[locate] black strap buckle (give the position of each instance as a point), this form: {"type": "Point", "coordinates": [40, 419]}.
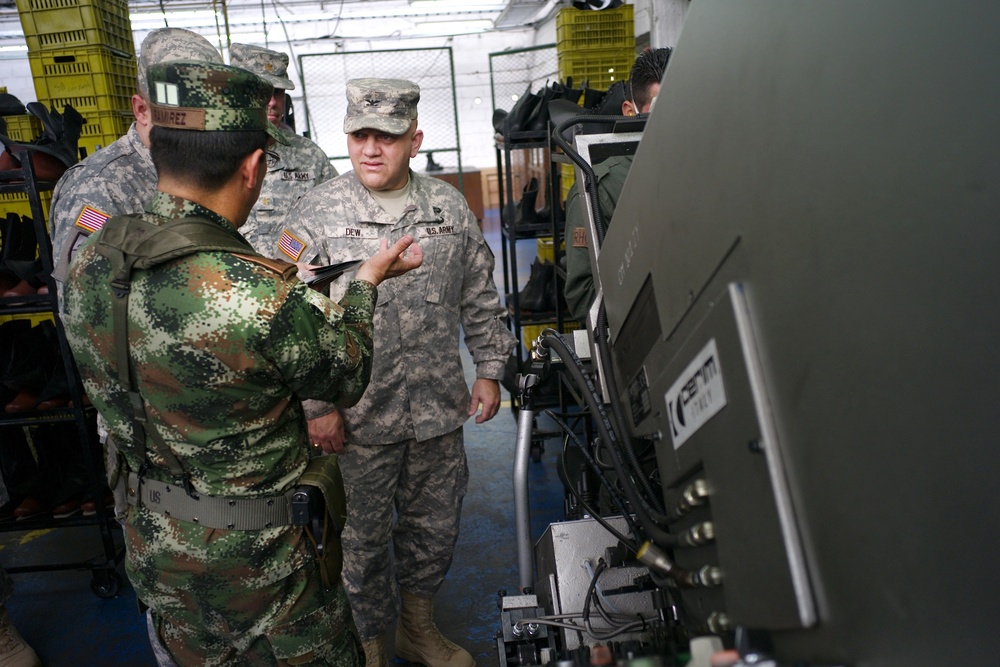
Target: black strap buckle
{"type": "Point", "coordinates": [120, 287]}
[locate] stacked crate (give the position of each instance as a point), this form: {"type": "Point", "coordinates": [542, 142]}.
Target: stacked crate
{"type": "Point", "coordinates": [82, 53]}
{"type": "Point", "coordinates": [594, 46]}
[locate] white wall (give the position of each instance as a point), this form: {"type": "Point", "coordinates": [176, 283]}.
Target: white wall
{"type": "Point", "coordinates": [661, 18]}
{"type": "Point", "coordinates": [15, 73]}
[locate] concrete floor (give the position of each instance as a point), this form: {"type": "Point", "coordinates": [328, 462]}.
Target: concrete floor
{"type": "Point", "coordinates": [69, 626]}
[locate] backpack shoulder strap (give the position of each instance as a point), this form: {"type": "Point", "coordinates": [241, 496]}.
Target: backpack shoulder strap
{"type": "Point", "coordinates": [131, 242]}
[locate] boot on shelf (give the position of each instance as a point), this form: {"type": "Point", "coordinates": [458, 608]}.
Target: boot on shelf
{"type": "Point", "coordinates": [19, 259]}
{"type": "Point", "coordinates": [419, 640]}
{"type": "Point", "coordinates": [432, 165]}
{"type": "Point", "coordinates": [536, 297]}
{"type": "Point", "coordinates": [526, 207]}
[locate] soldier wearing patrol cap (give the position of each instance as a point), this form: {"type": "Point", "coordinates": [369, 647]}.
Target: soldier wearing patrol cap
{"type": "Point", "coordinates": [196, 351]}
{"type": "Point", "coordinates": [404, 446]}
{"type": "Point", "coordinates": [119, 178]}
{"type": "Point", "coordinates": [300, 165]}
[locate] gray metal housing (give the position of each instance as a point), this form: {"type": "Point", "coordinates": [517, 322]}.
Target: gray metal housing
{"type": "Point", "coordinates": [839, 163]}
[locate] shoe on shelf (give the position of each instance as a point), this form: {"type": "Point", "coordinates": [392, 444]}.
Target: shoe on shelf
{"type": "Point", "coordinates": [67, 509]}
{"type": "Point", "coordinates": [28, 508]}
{"type": "Point", "coordinates": [89, 507]}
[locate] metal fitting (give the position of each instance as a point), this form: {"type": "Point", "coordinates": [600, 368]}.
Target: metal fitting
{"type": "Point", "coordinates": [699, 534]}
{"type": "Point", "coordinates": [654, 558]}
{"type": "Point", "coordinates": [710, 576]}
{"type": "Point", "coordinates": [718, 622]}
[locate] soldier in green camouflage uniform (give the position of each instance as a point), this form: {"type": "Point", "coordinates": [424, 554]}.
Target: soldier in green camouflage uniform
{"type": "Point", "coordinates": [120, 178]}
{"type": "Point", "coordinates": [221, 348]}
{"type": "Point", "coordinates": [300, 164]}
{"type": "Point", "coordinates": [406, 448]}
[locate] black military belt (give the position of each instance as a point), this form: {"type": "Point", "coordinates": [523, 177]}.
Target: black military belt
{"type": "Point", "coordinates": [228, 513]}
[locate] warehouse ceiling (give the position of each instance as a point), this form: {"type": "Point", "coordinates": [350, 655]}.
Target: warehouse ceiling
{"type": "Point", "coordinates": [279, 21]}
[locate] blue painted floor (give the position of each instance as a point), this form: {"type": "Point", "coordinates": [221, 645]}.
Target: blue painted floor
{"type": "Point", "coordinates": [70, 627]}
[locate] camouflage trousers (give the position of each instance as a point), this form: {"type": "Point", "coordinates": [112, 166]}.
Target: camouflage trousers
{"type": "Point", "coordinates": [212, 604]}
{"type": "Point", "coordinates": [424, 482]}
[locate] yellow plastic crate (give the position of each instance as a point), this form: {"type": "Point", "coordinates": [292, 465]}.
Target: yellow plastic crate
{"type": "Point", "coordinates": [11, 202]}
{"type": "Point", "coordinates": [567, 176]}
{"type": "Point", "coordinates": [23, 128]}
{"type": "Point", "coordinates": [102, 128]}
{"type": "Point", "coordinates": [585, 30]}
{"type": "Point", "coordinates": [34, 318]}
{"type": "Point", "coordinates": [67, 24]}
{"type": "Point", "coordinates": [89, 79]}
{"type": "Point", "coordinates": [546, 249]}
{"type": "Point", "coordinates": [599, 68]}
{"type": "Point", "coordinates": [529, 332]}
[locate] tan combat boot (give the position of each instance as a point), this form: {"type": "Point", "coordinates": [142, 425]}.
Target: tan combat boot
{"type": "Point", "coordinates": [375, 652]}
{"type": "Point", "coordinates": [419, 640]}
{"type": "Point", "coordinates": [14, 652]}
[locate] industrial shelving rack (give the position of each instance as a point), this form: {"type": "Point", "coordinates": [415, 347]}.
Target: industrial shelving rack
{"type": "Point", "coordinates": [105, 582]}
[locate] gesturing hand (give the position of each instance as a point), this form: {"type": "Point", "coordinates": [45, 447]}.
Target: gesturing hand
{"type": "Point", "coordinates": [389, 262]}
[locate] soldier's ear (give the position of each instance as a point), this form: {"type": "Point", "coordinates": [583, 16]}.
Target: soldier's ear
{"type": "Point", "coordinates": [418, 138]}
{"type": "Point", "coordinates": [252, 169]}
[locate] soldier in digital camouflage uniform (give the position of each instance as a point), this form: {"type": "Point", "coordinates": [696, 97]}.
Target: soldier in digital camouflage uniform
{"type": "Point", "coordinates": [120, 178]}
{"type": "Point", "coordinates": [406, 449]}
{"type": "Point", "coordinates": [221, 348]}
{"type": "Point", "coordinates": [300, 165]}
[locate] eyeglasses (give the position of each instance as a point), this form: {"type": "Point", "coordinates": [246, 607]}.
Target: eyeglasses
{"type": "Point", "coordinates": [272, 157]}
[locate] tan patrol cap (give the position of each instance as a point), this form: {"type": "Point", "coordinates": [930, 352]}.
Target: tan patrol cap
{"type": "Point", "coordinates": [388, 105]}
{"type": "Point", "coordinates": [272, 66]}
{"type": "Point", "coordinates": [165, 44]}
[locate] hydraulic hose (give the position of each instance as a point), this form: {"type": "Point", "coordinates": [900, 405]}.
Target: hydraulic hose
{"type": "Point", "coordinates": [553, 340]}
{"type": "Point", "coordinates": [601, 338]}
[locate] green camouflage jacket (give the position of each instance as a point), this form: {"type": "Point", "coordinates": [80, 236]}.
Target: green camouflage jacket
{"type": "Point", "coordinates": [224, 350]}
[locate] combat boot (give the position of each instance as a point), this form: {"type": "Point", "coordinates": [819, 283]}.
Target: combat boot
{"type": "Point", "coordinates": [14, 652]}
{"type": "Point", "coordinates": [419, 640]}
{"type": "Point", "coordinates": [375, 655]}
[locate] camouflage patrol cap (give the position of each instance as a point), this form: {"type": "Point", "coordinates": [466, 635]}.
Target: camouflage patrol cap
{"type": "Point", "coordinates": [389, 105]}
{"type": "Point", "coordinates": [166, 44]}
{"type": "Point", "coordinates": [272, 66]}
{"type": "Point", "coordinates": [189, 95]}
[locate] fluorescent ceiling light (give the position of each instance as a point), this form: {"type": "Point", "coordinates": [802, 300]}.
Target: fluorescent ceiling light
{"type": "Point", "coordinates": [440, 6]}
{"type": "Point", "coordinates": [452, 27]}
{"type": "Point", "coordinates": [248, 37]}
{"type": "Point", "coordinates": [16, 47]}
{"type": "Point", "coordinates": [178, 19]}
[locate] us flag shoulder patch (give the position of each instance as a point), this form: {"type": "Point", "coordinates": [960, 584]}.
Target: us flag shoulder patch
{"type": "Point", "coordinates": [290, 245]}
{"type": "Point", "coordinates": [91, 219]}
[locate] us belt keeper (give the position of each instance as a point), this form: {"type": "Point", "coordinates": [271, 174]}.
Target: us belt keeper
{"type": "Point", "coordinates": [226, 513]}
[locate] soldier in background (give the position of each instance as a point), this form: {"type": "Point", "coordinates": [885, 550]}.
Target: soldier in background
{"type": "Point", "coordinates": [197, 361]}
{"type": "Point", "coordinates": [406, 449]}
{"type": "Point", "coordinates": [300, 165]}
{"type": "Point", "coordinates": [120, 178]}
{"type": "Point", "coordinates": [643, 86]}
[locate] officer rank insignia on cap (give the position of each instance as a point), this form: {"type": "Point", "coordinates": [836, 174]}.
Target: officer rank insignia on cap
{"type": "Point", "coordinates": [290, 245]}
{"type": "Point", "coordinates": [91, 219]}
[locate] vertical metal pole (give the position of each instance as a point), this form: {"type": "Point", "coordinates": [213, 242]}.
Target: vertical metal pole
{"type": "Point", "coordinates": [522, 518]}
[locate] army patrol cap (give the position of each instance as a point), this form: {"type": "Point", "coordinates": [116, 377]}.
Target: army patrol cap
{"type": "Point", "coordinates": [389, 105]}
{"type": "Point", "coordinates": [210, 97]}
{"type": "Point", "coordinates": [167, 44]}
{"type": "Point", "coordinates": [272, 66]}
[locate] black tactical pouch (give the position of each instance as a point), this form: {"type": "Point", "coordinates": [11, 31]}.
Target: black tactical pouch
{"type": "Point", "coordinates": [319, 504]}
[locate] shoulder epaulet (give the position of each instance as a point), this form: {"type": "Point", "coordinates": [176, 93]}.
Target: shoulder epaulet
{"type": "Point", "coordinates": [285, 269]}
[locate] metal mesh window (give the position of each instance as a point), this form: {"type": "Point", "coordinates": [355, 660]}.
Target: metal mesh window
{"type": "Point", "coordinates": [325, 77]}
